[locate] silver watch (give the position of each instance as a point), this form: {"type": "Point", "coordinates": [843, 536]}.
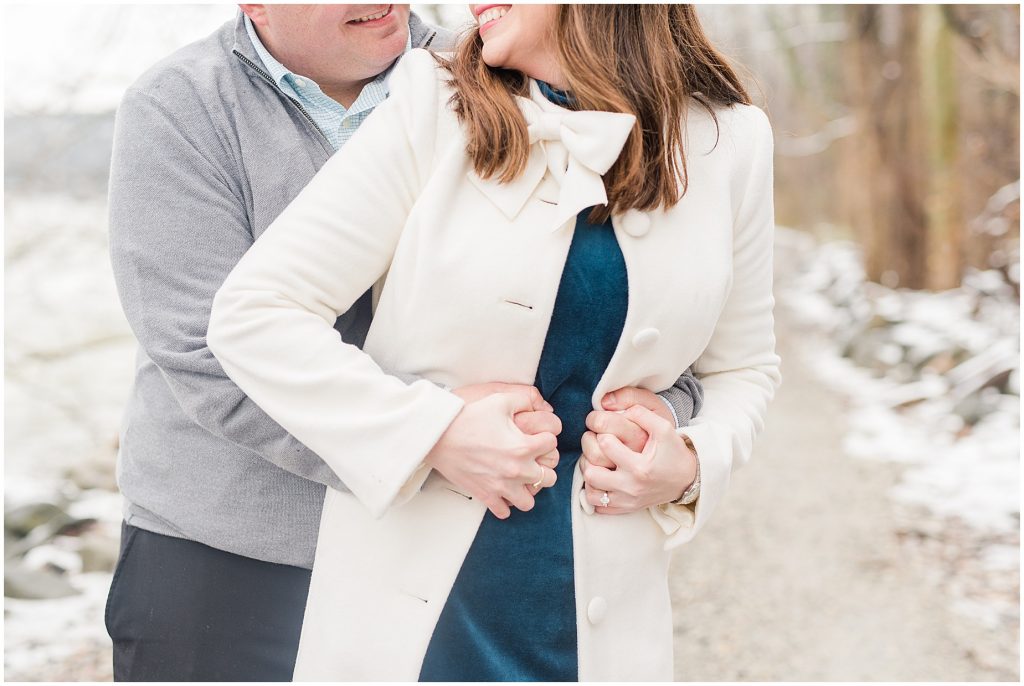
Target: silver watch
{"type": "Point", "coordinates": [693, 491]}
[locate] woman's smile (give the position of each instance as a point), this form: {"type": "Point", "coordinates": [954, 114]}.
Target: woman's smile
{"type": "Point", "coordinates": [489, 15]}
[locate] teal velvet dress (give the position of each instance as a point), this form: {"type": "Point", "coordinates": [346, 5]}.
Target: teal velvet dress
{"type": "Point", "coordinates": [511, 615]}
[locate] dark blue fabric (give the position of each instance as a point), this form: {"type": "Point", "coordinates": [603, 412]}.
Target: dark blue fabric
{"type": "Point", "coordinates": [511, 615]}
{"type": "Point", "coordinates": [559, 97]}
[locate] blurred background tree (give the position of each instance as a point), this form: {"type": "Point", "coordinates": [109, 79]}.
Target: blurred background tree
{"type": "Point", "coordinates": [896, 126]}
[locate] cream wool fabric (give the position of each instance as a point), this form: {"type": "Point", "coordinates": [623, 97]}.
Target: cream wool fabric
{"type": "Point", "coordinates": [472, 270]}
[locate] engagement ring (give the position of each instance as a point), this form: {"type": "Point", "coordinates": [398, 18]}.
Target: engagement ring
{"type": "Point", "coordinates": [605, 499]}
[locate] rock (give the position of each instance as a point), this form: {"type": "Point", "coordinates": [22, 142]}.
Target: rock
{"type": "Point", "coordinates": [50, 557]}
{"type": "Point", "coordinates": [99, 553]}
{"type": "Point", "coordinates": [903, 373]}
{"type": "Point", "coordinates": [927, 388]}
{"type": "Point", "coordinates": [34, 584]}
{"type": "Point", "coordinates": [22, 520]}
{"type": "Point", "coordinates": [77, 526]}
{"type": "Point", "coordinates": [990, 368]}
{"type": "Point", "coordinates": [873, 351]}
{"type": "Point", "coordinates": [97, 549]}
{"type": "Point", "coordinates": [975, 406]}
{"type": "Point", "coordinates": [60, 524]}
{"type": "Point", "coordinates": [9, 540]}
{"type": "Point", "coordinates": [1013, 383]}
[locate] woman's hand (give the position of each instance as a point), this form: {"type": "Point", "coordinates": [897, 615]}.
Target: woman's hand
{"type": "Point", "coordinates": [489, 452]}
{"type": "Point", "coordinates": [540, 418]}
{"type": "Point", "coordinates": [658, 473]}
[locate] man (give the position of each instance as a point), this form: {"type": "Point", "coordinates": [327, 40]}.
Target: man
{"type": "Point", "coordinates": [222, 505]}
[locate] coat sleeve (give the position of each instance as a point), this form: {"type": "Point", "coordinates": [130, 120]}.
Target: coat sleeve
{"type": "Point", "coordinates": [271, 325]}
{"type": "Point", "coordinates": [739, 368]}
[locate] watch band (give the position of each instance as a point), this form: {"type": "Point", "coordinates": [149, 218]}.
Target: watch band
{"type": "Point", "coordinates": [693, 491]}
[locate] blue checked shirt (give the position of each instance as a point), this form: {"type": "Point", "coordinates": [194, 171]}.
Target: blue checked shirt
{"type": "Point", "coordinates": [337, 123]}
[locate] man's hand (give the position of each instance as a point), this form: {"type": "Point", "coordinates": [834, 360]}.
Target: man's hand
{"type": "Point", "coordinates": [502, 442]}
{"type": "Point", "coordinates": [659, 473]}
{"type": "Point", "coordinates": [611, 420]}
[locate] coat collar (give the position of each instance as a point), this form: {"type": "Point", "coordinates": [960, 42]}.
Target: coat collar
{"type": "Point", "coordinates": [575, 147]}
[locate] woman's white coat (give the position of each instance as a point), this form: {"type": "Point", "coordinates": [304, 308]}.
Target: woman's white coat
{"type": "Point", "coordinates": [472, 269]}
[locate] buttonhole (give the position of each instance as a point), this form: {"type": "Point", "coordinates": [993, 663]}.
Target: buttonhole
{"type": "Point", "coordinates": [413, 595]}
{"type": "Point", "coordinates": [513, 302]}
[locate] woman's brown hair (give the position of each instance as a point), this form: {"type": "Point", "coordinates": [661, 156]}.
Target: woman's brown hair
{"type": "Point", "coordinates": [644, 60]}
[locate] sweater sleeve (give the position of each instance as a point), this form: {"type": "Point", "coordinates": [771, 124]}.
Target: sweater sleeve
{"type": "Point", "coordinates": [271, 324]}
{"type": "Point", "coordinates": [177, 226]}
{"type": "Point", "coordinates": [739, 368]}
{"type": "Point", "coordinates": [684, 398]}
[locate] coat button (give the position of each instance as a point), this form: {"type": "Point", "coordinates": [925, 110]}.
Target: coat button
{"type": "Point", "coordinates": [596, 610]}
{"type": "Point", "coordinates": [646, 338]}
{"type": "Point", "coordinates": [636, 223]}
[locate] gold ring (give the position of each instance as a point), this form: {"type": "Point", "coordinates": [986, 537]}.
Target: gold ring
{"type": "Point", "coordinates": [541, 479]}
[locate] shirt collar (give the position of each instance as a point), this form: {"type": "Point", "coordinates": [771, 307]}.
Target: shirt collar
{"type": "Point", "coordinates": [278, 71]}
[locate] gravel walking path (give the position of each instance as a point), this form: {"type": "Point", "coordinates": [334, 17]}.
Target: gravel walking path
{"type": "Point", "coordinates": [801, 574]}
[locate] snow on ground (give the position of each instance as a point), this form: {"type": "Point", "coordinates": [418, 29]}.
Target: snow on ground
{"type": "Point", "coordinates": [68, 349]}
{"type": "Point", "coordinates": [69, 364]}
{"type": "Point", "coordinates": [63, 639]}
{"type": "Point", "coordinates": [932, 380]}
{"type": "Point", "coordinates": [974, 477]}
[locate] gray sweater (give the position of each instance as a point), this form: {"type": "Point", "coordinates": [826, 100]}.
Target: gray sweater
{"type": "Point", "coordinates": [207, 152]}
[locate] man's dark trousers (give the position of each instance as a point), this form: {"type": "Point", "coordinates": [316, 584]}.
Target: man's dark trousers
{"type": "Point", "coordinates": [183, 611]}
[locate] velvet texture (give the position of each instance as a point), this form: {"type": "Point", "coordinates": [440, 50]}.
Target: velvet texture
{"type": "Point", "coordinates": [511, 615]}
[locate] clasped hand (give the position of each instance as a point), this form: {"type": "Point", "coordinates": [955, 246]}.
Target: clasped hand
{"type": "Point", "coordinates": [502, 449]}
{"type": "Point", "coordinates": [632, 456]}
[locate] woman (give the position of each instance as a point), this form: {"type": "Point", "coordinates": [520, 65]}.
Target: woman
{"type": "Point", "coordinates": [605, 147]}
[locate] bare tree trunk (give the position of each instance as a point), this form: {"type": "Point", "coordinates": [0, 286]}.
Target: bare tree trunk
{"type": "Point", "coordinates": [940, 118]}
{"type": "Point", "coordinates": [887, 158]}
{"type": "Point", "coordinates": [865, 201]}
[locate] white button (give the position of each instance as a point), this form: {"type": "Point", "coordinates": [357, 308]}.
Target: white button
{"type": "Point", "coordinates": [348, 123]}
{"type": "Point", "coordinates": [300, 82]}
{"type": "Point", "coordinates": [646, 338]}
{"type": "Point", "coordinates": [597, 609]}
{"type": "Point", "coordinates": [636, 223]}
